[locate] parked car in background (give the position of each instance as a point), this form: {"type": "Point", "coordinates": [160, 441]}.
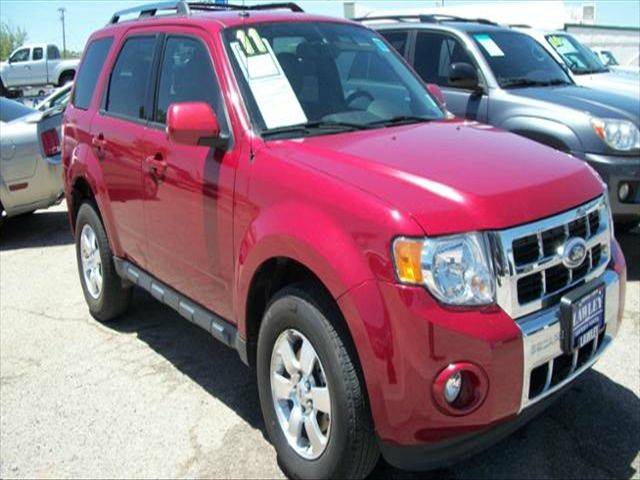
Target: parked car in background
{"type": "Point", "coordinates": [30, 168]}
{"type": "Point", "coordinates": [35, 65]}
{"type": "Point", "coordinates": [505, 78]}
{"type": "Point", "coordinates": [403, 282]}
{"type": "Point", "coordinates": [585, 66]}
{"type": "Point", "coordinates": [610, 61]}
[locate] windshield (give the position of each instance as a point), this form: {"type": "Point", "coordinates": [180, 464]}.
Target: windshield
{"type": "Point", "coordinates": [303, 78]}
{"type": "Point", "coordinates": [578, 58]}
{"type": "Point", "coordinates": [517, 60]}
{"type": "Point", "coordinates": [608, 59]}
{"type": "Point", "coordinates": [10, 110]}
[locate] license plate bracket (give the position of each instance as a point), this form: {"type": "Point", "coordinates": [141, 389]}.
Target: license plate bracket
{"type": "Point", "coordinates": [582, 315]}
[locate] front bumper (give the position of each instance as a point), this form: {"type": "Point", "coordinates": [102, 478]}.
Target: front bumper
{"type": "Point", "coordinates": [540, 349]}
{"type": "Point", "coordinates": [616, 170]}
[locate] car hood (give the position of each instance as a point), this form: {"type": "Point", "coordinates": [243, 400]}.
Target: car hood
{"type": "Point", "coordinates": [451, 176]}
{"type": "Point", "coordinates": [611, 82]}
{"type": "Point", "coordinates": [596, 102]}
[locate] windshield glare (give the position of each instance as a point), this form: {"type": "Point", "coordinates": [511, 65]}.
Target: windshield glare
{"type": "Point", "coordinates": [323, 76]}
{"type": "Point", "coordinates": [578, 58]}
{"type": "Point", "coordinates": [518, 60]}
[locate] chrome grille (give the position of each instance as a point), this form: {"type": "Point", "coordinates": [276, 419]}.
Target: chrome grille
{"type": "Point", "coordinates": [530, 272]}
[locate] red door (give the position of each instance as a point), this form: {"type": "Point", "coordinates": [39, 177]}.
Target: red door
{"type": "Point", "coordinates": [189, 189]}
{"type": "Point", "coordinates": [117, 138]}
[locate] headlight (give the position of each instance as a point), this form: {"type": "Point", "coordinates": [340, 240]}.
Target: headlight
{"type": "Point", "coordinates": [455, 269]}
{"type": "Point", "coordinates": [621, 135]}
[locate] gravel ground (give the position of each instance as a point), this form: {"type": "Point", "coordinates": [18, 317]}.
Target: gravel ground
{"type": "Point", "coordinates": [153, 396]}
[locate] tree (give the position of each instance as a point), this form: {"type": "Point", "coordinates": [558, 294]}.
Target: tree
{"type": "Point", "coordinates": [10, 38]}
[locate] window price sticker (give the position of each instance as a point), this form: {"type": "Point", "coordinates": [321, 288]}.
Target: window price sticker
{"type": "Point", "coordinates": [271, 89]}
{"type": "Point", "coordinates": [489, 45]}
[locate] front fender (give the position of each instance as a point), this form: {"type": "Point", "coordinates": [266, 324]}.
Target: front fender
{"type": "Point", "coordinates": [549, 132]}
{"type": "Point", "coordinates": [310, 237]}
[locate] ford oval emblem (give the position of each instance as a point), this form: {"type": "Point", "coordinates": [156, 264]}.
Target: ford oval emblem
{"type": "Point", "coordinates": [574, 252]}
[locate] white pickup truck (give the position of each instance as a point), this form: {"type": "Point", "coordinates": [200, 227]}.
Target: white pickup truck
{"type": "Point", "coordinates": [37, 64]}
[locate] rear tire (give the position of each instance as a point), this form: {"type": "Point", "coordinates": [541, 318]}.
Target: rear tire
{"type": "Point", "coordinates": [304, 314]}
{"type": "Point", "coordinates": [3, 90]}
{"type": "Point", "coordinates": [102, 287]}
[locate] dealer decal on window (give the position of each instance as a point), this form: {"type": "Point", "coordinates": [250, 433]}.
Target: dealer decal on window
{"type": "Point", "coordinates": [276, 99]}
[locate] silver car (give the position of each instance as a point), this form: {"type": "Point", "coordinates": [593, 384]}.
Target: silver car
{"type": "Point", "coordinates": [30, 167]}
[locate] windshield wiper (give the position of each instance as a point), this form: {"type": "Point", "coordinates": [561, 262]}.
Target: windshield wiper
{"type": "Point", "coordinates": [400, 120]}
{"type": "Point", "coordinates": [314, 127]}
{"type": "Point", "coordinates": [527, 82]}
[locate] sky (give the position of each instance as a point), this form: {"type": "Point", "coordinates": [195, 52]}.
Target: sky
{"type": "Point", "coordinates": [41, 18]}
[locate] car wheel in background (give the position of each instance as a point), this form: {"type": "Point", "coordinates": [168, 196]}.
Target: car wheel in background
{"type": "Point", "coordinates": [312, 397]}
{"type": "Point", "coordinates": [66, 78]}
{"type": "Point", "coordinates": [103, 290]}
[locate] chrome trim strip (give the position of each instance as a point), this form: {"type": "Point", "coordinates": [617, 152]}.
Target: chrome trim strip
{"type": "Point", "coordinates": [541, 340]}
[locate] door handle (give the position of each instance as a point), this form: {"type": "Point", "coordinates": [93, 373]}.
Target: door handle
{"type": "Point", "coordinates": [100, 144]}
{"type": "Point", "coordinates": [157, 166]}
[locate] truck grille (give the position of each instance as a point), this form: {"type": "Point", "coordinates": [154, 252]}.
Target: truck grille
{"type": "Point", "coordinates": [530, 271]}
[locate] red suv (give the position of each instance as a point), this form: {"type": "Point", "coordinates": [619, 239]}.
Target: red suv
{"type": "Point", "coordinates": [402, 281]}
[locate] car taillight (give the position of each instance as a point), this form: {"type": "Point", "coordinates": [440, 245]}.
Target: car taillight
{"type": "Point", "coordinates": [50, 142]}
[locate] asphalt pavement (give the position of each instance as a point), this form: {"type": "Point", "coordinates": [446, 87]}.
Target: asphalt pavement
{"type": "Point", "coordinates": [154, 396]}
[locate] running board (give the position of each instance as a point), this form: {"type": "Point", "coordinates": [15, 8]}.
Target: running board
{"type": "Point", "coordinates": [219, 328]}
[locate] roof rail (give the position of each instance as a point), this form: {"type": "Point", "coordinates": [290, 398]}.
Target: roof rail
{"type": "Point", "coordinates": [425, 18]}
{"type": "Point", "coordinates": [182, 7]}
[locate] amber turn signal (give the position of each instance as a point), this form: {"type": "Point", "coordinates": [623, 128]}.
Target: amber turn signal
{"type": "Point", "coordinates": [407, 253]}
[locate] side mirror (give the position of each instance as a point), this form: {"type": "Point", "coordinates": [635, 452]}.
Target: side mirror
{"type": "Point", "coordinates": [194, 123]}
{"type": "Point", "coordinates": [436, 92]}
{"type": "Point", "coordinates": [463, 75]}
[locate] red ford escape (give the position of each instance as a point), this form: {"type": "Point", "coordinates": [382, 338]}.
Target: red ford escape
{"type": "Point", "coordinates": [404, 283]}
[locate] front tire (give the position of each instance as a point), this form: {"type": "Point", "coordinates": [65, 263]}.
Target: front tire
{"type": "Point", "coordinates": [313, 399]}
{"type": "Point", "coordinates": [103, 291]}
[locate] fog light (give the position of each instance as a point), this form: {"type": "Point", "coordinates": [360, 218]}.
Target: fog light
{"type": "Point", "coordinates": [460, 388]}
{"type": "Point", "coordinates": [623, 191]}
{"type": "Point", "coordinates": [452, 387]}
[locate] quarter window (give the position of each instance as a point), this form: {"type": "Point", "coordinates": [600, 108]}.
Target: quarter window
{"type": "Point", "coordinates": [187, 75]}
{"type": "Point", "coordinates": [129, 82]}
{"type": "Point", "coordinates": [92, 63]}
{"type": "Point", "coordinates": [398, 40]}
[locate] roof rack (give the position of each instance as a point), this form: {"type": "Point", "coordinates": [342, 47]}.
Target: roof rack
{"type": "Point", "coordinates": [425, 18]}
{"type": "Point", "coordinates": [182, 7]}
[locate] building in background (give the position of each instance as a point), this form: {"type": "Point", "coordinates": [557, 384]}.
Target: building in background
{"type": "Point", "coordinates": [623, 42]}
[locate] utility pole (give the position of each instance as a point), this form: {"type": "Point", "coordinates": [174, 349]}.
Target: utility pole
{"type": "Point", "coordinates": [64, 36]}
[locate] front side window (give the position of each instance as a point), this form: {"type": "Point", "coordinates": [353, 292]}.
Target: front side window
{"type": "Point", "coordinates": [324, 76]}
{"type": "Point", "coordinates": [608, 58]}
{"type": "Point", "coordinates": [578, 58]}
{"type": "Point", "coordinates": [187, 75]}
{"type": "Point", "coordinates": [92, 63]}
{"type": "Point", "coordinates": [21, 55]}
{"type": "Point", "coordinates": [129, 82]}
{"type": "Point", "coordinates": [434, 55]}
{"type": "Point", "coordinates": [517, 60]}
{"type": "Point", "coordinates": [37, 53]}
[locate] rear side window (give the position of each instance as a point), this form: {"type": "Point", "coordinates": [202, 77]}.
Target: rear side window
{"type": "Point", "coordinates": [129, 81]}
{"type": "Point", "coordinates": [37, 53]}
{"type": "Point", "coordinates": [90, 69]}
{"type": "Point", "coordinates": [187, 75]}
{"type": "Point", "coordinates": [398, 40]}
